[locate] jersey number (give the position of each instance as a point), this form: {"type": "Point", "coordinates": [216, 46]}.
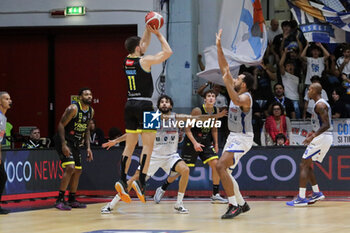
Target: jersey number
{"type": "Point", "coordinates": [132, 83]}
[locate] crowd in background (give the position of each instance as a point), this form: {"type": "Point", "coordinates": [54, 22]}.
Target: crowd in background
{"type": "Point", "coordinates": [289, 66]}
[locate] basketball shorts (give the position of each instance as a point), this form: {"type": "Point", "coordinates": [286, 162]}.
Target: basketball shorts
{"type": "Point", "coordinates": [239, 144]}
{"type": "Point", "coordinates": [165, 162]}
{"type": "Point", "coordinates": [133, 114]}
{"type": "Point", "coordinates": [318, 147]}
{"type": "Point", "coordinates": [75, 156]}
{"type": "Point", "coordinates": [190, 155]}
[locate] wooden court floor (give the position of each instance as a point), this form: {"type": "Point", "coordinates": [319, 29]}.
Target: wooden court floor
{"type": "Point", "coordinates": [264, 216]}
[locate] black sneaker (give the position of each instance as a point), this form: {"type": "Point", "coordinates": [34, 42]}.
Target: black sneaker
{"type": "Point", "coordinates": [140, 190]}
{"type": "Point", "coordinates": [245, 207]}
{"type": "Point", "coordinates": [4, 211]}
{"type": "Point", "coordinates": [232, 211]}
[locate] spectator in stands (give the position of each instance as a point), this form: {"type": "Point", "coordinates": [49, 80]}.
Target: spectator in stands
{"type": "Point", "coordinates": [97, 137]}
{"type": "Point", "coordinates": [309, 104]}
{"type": "Point", "coordinates": [315, 63]}
{"type": "Point", "coordinates": [263, 75]}
{"type": "Point", "coordinates": [279, 97]}
{"type": "Point", "coordinates": [273, 30]}
{"type": "Point", "coordinates": [290, 81]}
{"type": "Point", "coordinates": [34, 141]}
{"type": "Point", "coordinates": [337, 105]}
{"type": "Point", "coordinates": [281, 139]}
{"type": "Point", "coordinates": [277, 41]}
{"type": "Point", "coordinates": [275, 124]}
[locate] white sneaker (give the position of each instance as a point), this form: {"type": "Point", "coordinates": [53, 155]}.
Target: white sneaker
{"type": "Point", "coordinates": [106, 209]}
{"type": "Point", "coordinates": [217, 199]}
{"type": "Point", "coordinates": [179, 207]}
{"type": "Point", "coordinates": [158, 195]}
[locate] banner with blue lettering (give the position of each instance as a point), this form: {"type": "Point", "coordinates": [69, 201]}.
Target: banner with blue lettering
{"type": "Point", "coordinates": [322, 22]}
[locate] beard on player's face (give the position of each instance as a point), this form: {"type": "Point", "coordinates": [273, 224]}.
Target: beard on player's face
{"type": "Point", "coordinates": [165, 109]}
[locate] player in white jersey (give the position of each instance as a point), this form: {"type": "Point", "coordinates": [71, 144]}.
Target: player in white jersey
{"type": "Point", "coordinates": [318, 143]}
{"type": "Point", "coordinates": [164, 154]}
{"type": "Point", "coordinates": [240, 139]}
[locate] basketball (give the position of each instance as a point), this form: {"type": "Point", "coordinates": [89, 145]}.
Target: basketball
{"type": "Point", "coordinates": [154, 19]}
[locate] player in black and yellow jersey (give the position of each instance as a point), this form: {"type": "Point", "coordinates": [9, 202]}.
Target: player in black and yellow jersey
{"type": "Point", "coordinates": [73, 130]}
{"type": "Point", "coordinates": [137, 69]}
{"type": "Point", "coordinates": [203, 142]}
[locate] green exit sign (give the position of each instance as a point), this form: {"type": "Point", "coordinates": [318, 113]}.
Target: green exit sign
{"type": "Point", "coordinates": [75, 10]}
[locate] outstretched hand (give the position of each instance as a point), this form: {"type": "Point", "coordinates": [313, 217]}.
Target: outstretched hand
{"type": "Point", "coordinates": [109, 144]}
{"type": "Point", "coordinates": [218, 38]}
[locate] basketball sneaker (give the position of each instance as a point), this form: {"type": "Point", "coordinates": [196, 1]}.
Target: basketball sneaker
{"type": "Point", "coordinates": [76, 204]}
{"type": "Point", "coordinates": [217, 199]}
{"type": "Point", "coordinates": [179, 207]}
{"type": "Point", "coordinates": [140, 191]}
{"type": "Point", "coordinates": [158, 195]}
{"type": "Point", "coordinates": [232, 211]}
{"type": "Point", "coordinates": [316, 196]}
{"type": "Point", "coordinates": [62, 205]}
{"type": "Point", "coordinates": [121, 188]}
{"type": "Point", "coordinates": [107, 209]}
{"type": "Point", "coordinates": [245, 207]}
{"type": "Point", "coordinates": [298, 202]}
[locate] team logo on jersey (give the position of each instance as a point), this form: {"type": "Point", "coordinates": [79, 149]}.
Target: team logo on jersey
{"type": "Point", "coordinates": [165, 138]}
{"type": "Point", "coordinates": [129, 62]}
{"type": "Point", "coordinates": [151, 120]}
{"type": "Point", "coordinates": [172, 138]}
{"type": "Point", "coordinates": [157, 139]}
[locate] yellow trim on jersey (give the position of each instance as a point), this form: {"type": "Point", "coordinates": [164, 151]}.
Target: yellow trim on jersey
{"type": "Point", "coordinates": [67, 163]}
{"type": "Point", "coordinates": [205, 110]}
{"type": "Point", "coordinates": [148, 131]}
{"type": "Point", "coordinates": [78, 167]}
{"type": "Point", "coordinates": [211, 158]}
{"type": "Point", "coordinates": [132, 131]}
{"type": "Point", "coordinates": [190, 164]}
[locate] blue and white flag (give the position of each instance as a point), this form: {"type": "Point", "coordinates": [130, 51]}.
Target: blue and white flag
{"type": "Point", "coordinates": [244, 38]}
{"type": "Point", "coordinates": [321, 23]}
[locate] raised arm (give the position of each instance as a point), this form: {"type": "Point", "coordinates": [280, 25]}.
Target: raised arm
{"type": "Point", "coordinates": [221, 57]}
{"type": "Point", "coordinates": [324, 50]}
{"type": "Point", "coordinates": [283, 59]}
{"type": "Point", "coordinates": [146, 39]}
{"type": "Point", "coordinates": [149, 60]}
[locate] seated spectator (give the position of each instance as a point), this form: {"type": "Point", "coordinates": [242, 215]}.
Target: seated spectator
{"type": "Point", "coordinates": [275, 124]}
{"type": "Point", "coordinates": [34, 141]}
{"type": "Point", "coordinates": [309, 104]}
{"type": "Point", "coordinates": [279, 97]}
{"type": "Point", "coordinates": [114, 133]}
{"type": "Point", "coordinates": [97, 137]}
{"type": "Point", "coordinates": [337, 105]}
{"type": "Point", "coordinates": [281, 139]}
{"type": "Point", "coordinates": [290, 82]}
{"type": "Point", "coordinates": [315, 63]}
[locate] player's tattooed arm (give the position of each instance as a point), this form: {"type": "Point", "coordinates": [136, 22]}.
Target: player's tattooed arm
{"type": "Point", "coordinates": [67, 116]}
